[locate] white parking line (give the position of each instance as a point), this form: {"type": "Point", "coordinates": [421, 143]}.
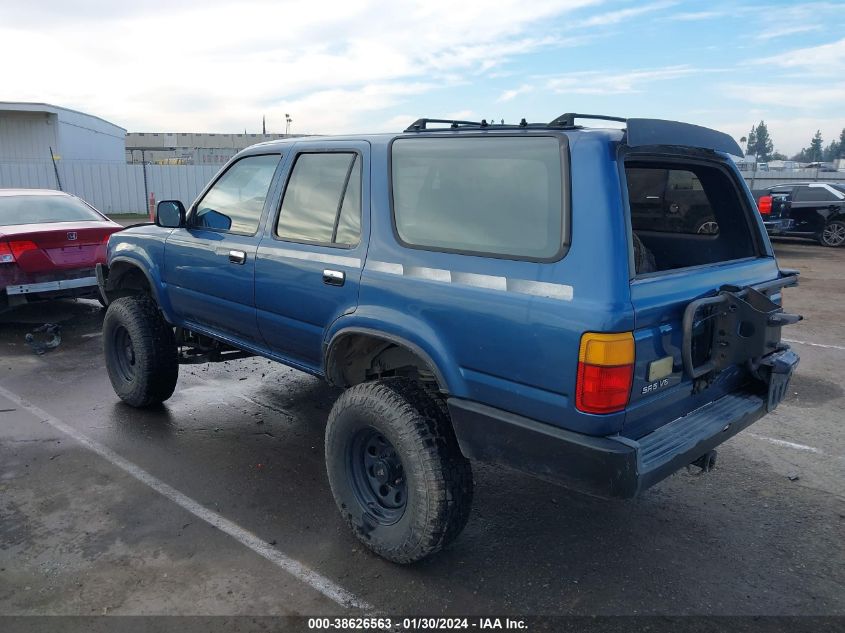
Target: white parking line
{"type": "Point", "coordinates": [308, 576]}
{"type": "Point", "coordinates": [777, 442]}
{"type": "Point", "coordinates": [839, 347]}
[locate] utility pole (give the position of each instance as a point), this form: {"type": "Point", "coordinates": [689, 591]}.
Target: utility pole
{"type": "Point", "coordinates": [264, 125]}
{"type": "Point", "coordinates": [288, 121]}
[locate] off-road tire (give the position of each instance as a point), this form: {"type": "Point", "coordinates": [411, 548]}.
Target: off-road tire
{"type": "Point", "coordinates": [149, 378]}
{"type": "Point", "coordinates": [438, 477]}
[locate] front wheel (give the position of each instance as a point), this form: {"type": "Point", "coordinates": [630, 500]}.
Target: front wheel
{"type": "Point", "coordinates": [140, 351]}
{"type": "Point", "coordinates": [395, 469]}
{"type": "Point", "coordinates": [833, 234]}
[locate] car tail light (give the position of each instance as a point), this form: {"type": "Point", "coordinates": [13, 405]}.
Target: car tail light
{"type": "Point", "coordinates": [764, 204]}
{"type": "Point", "coordinates": [11, 251]}
{"type": "Point", "coordinates": [605, 372]}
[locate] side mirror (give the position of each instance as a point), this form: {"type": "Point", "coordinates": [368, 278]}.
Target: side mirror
{"type": "Point", "coordinates": [170, 214]}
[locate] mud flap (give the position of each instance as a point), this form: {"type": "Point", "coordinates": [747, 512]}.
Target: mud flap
{"type": "Point", "coordinates": [780, 368]}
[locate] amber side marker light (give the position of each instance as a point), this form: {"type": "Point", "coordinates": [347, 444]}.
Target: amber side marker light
{"type": "Point", "coordinates": [605, 372]}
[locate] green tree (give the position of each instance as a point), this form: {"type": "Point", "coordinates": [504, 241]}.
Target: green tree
{"type": "Point", "coordinates": [752, 140]}
{"type": "Point", "coordinates": [760, 143]}
{"type": "Point", "coordinates": [842, 143]}
{"type": "Point", "coordinates": [816, 149]}
{"type": "Point", "coordinates": [831, 152]}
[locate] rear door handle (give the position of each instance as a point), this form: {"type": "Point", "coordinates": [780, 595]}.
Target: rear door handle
{"type": "Point", "coordinates": [237, 257]}
{"type": "Point", "coordinates": [334, 277]}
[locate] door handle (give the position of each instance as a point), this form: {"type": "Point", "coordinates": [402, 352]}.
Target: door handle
{"type": "Point", "coordinates": [334, 277]}
{"type": "Point", "coordinates": [237, 257]}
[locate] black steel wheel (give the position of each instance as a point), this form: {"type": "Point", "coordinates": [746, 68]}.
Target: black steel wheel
{"type": "Point", "coordinates": [123, 353]}
{"type": "Point", "coordinates": [377, 475]}
{"type": "Point", "coordinates": [395, 469]}
{"type": "Point", "coordinates": [140, 351]}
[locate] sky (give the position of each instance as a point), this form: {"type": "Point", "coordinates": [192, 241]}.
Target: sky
{"type": "Point", "coordinates": [370, 66]}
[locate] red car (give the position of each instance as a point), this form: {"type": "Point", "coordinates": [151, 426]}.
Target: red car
{"type": "Point", "coordinates": [50, 244]}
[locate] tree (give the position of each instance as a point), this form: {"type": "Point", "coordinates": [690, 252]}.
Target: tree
{"type": "Point", "coordinates": [778, 156]}
{"type": "Point", "coordinates": [752, 140]}
{"type": "Point", "coordinates": [831, 152]}
{"type": "Point", "coordinates": [760, 143]}
{"type": "Point", "coordinates": [816, 152]}
{"type": "Point", "coordinates": [842, 143]}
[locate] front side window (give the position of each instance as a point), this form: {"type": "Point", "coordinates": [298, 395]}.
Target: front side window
{"type": "Point", "coordinates": [488, 196]}
{"type": "Point", "coordinates": [322, 202]}
{"type": "Point", "coordinates": [236, 201]}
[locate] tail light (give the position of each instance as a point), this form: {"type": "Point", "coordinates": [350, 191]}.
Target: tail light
{"type": "Point", "coordinates": [605, 372]}
{"type": "Point", "coordinates": [764, 204]}
{"type": "Point", "coordinates": [11, 251]}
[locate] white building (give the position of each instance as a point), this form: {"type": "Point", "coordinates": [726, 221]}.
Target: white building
{"type": "Point", "coordinates": [29, 130]}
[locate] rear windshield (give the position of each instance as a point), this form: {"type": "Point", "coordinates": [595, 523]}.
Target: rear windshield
{"type": "Point", "coordinates": [487, 196]}
{"type": "Point", "coordinates": [41, 209]}
{"type": "Point", "coordinates": [685, 215]}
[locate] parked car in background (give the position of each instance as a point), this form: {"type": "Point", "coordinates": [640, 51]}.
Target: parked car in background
{"type": "Point", "coordinates": [50, 243]}
{"type": "Point", "coordinates": [814, 210]}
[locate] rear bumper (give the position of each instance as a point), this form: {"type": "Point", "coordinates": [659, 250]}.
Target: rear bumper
{"type": "Point", "coordinates": [59, 285]}
{"type": "Point", "coordinates": [778, 227]}
{"type": "Point", "coordinates": [612, 466]}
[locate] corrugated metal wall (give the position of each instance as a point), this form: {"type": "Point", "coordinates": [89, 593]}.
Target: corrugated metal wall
{"type": "Point", "coordinates": [110, 187]}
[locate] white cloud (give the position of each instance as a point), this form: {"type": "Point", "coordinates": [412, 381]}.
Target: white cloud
{"type": "Point", "coordinates": [615, 17]}
{"type": "Point", "coordinates": [695, 16]}
{"type": "Point", "coordinates": [611, 83]}
{"type": "Point", "coordinates": [509, 95]}
{"type": "Point", "coordinates": [773, 33]}
{"type": "Point", "coordinates": [793, 95]}
{"type": "Point", "coordinates": [828, 59]}
{"type": "Point", "coordinates": [221, 66]}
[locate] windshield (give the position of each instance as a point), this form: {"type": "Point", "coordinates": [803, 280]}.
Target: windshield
{"type": "Point", "coordinates": [42, 209]}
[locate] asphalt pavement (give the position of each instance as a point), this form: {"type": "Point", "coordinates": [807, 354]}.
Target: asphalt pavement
{"type": "Point", "coordinates": [217, 503]}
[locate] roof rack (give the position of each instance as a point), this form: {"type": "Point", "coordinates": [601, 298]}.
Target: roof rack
{"type": "Point", "coordinates": [568, 119]}
{"type": "Point", "coordinates": [421, 124]}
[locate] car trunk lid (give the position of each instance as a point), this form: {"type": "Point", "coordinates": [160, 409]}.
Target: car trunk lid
{"type": "Point", "coordinates": [60, 245]}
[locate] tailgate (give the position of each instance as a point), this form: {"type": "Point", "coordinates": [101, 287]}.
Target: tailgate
{"type": "Point", "coordinates": [681, 272]}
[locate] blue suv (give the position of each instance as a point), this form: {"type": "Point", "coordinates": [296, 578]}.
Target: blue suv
{"type": "Point", "coordinates": [527, 295]}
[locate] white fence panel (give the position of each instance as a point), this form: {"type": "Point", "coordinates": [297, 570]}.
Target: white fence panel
{"type": "Point", "coordinates": [110, 187]}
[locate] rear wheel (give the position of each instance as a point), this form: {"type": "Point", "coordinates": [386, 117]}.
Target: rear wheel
{"type": "Point", "coordinates": [140, 351]}
{"type": "Point", "coordinates": [833, 234]}
{"type": "Point", "coordinates": [395, 469]}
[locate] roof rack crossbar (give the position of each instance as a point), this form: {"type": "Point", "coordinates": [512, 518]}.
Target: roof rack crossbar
{"type": "Point", "coordinates": [568, 119]}
{"type": "Point", "coordinates": [420, 124]}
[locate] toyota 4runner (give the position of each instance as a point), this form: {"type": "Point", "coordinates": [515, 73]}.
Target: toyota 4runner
{"type": "Point", "coordinates": [516, 294]}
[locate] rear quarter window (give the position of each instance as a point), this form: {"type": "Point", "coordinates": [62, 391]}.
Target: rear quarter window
{"type": "Point", "coordinates": [500, 197]}
{"type": "Point", "coordinates": [685, 215]}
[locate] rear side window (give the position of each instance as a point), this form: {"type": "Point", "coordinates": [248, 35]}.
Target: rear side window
{"type": "Point", "coordinates": [685, 215]}
{"type": "Point", "coordinates": [485, 196]}
{"type": "Point", "coordinates": [322, 202]}
{"type": "Point", "coordinates": [814, 194]}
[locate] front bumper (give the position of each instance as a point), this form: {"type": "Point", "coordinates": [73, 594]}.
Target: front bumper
{"type": "Point", "coordinates": [612, 466]}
